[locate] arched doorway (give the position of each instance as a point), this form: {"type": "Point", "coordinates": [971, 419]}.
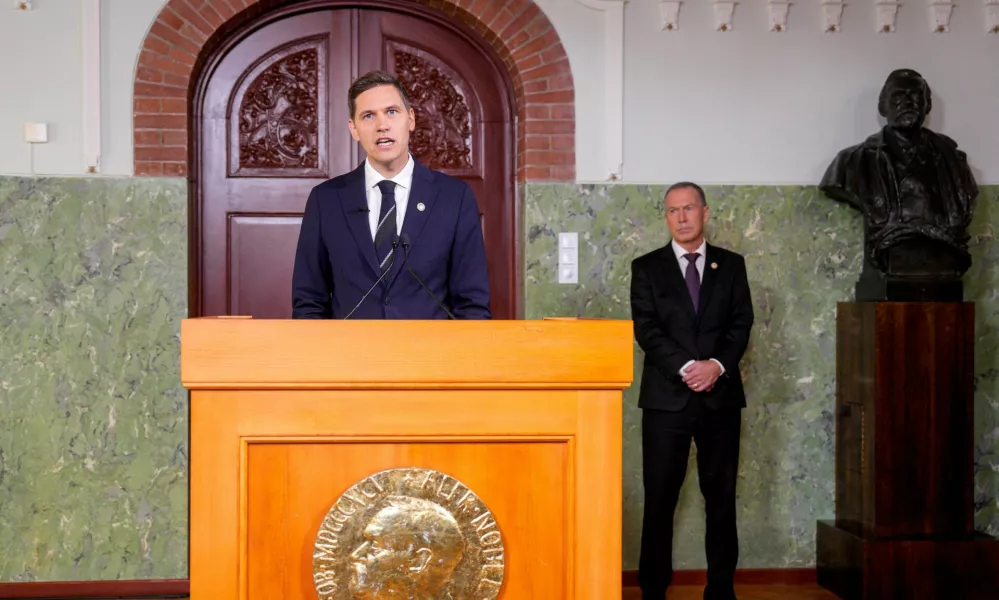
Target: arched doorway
{"type": "Point", "coordinates": [269, 122]}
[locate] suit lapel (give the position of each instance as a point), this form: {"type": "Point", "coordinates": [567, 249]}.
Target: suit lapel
{"type": "Point", "coordinates": [708, 279]}
{"type": "Point", "coordinates": [677, 287]}
{"type": "Point", "coordinates": [354, 202]}
{"type": "Point", "coordinates": [676, 281]}
{"type": "Point", "coordinates": [423, 194]}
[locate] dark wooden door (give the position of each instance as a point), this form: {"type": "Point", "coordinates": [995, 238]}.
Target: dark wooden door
{"type": "Point", "coordinates": [273, 124]}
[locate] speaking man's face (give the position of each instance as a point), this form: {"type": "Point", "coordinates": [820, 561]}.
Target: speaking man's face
{"type": "Point", "coordinates": [382, 124]}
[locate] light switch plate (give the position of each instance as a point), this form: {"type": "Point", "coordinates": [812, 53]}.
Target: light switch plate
{"type": "Point", "coordinates": [568, 257]}
{"type": "Point", "coordinates": [36, 133]}
{"type": "Point", "coordinates": [568, 274]}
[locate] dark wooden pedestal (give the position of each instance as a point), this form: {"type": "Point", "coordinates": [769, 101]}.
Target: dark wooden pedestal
{"type": "Point", "coordinates": [904, 523]}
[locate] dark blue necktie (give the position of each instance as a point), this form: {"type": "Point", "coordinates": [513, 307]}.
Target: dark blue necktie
{"type": "Point", "coordinates": [693, 280]}
{"type": "Point", "coordinates": [386, 225]}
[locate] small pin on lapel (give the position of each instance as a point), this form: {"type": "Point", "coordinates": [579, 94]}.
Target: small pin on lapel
{"type": "Point", "coordinates": [421, 206]}
{"type": "Point", "coordinates": [714, 265]}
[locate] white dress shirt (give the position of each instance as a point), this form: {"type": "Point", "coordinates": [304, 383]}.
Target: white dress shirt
{"type": "Point", "coordinates": [682, 261]}
{"type": "Point", "coordinates": [403, 184]}
{"type": "Point", "coordinates": [680, 258]}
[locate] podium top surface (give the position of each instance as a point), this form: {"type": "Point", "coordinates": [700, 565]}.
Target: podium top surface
{"type": "Point", "coordinates": [240, 353]}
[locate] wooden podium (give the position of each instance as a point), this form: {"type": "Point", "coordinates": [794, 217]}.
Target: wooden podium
{"type": "Point", "coordinates": [521, 417]}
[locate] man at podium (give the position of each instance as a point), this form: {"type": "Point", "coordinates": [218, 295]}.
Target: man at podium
{"type": "Point", "coordinates": [392, 239]}
{"type": "Point", "coordinates": [692, 314]}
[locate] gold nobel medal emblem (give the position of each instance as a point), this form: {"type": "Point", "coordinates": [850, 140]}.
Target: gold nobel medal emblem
{"type": "Point", "coordinates": [414, 534]}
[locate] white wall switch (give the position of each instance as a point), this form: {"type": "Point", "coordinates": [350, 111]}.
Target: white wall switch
{"type": "Point", "coordinates": [36, 133]}
{"type": "Point", "coordinates": [568, 257]}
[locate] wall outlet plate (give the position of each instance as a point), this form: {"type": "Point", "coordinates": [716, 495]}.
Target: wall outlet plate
{"type": "Point", "coordinates": [36, 133]}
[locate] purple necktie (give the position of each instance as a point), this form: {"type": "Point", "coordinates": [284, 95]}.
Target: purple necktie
{"type": "Point", "coordinates": [693, 281]}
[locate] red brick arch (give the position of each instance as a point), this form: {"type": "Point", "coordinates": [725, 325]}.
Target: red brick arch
{"type": "Point", "coordinates": [517, 30]}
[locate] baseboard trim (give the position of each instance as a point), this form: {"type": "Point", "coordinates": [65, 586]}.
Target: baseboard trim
{"type": "Point", "coordinates": [180, 588]}
{"type": "Point", "coordinates": [742, 577]}
{"type": "Point", "coordinates": [65, 590]}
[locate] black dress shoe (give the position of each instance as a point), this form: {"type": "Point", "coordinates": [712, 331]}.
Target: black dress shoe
{"type": "Point", "coordinates": [717, 592]}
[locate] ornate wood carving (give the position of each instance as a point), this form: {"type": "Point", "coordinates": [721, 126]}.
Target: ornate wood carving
{"type": "Point", "coordinates": [279, 114]}
{"type": "Point", "coordinates": [277, 117]}
{"type": "Point", "coordinates": [443, 136]}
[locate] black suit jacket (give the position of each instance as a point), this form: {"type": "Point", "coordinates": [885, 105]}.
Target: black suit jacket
{"type": "Point", "coordinates": [671, 333]}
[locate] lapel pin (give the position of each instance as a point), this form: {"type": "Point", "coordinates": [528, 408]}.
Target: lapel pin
{"type": "Point", "coordinates": [421, 206]}
{"type": "Point", "coordinates": [714, 265]}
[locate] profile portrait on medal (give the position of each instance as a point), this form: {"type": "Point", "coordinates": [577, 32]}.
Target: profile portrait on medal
{"type": "Point", "coordinates": [410, 533]}
{"type": "Point", "coordinates": [410, 549]}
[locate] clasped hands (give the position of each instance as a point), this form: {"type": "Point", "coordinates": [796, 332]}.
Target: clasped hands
{"type": "Point", "coordinates": [701, 375]}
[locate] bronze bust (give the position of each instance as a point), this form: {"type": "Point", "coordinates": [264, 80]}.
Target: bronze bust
{"type": "Point", "coordinates": [916, 192]}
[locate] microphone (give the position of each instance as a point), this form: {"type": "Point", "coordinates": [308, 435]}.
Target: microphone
{"type": "Point", "coordinates": [405, 254]}
{"type": "Point", "coordinates": [395, 244]}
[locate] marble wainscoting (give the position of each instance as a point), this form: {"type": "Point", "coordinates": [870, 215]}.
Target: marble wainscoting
{"type": "Point", "coordinates": [803, 254]}
{"type": "Point", "coordinates": [93, 454]}
{"type": "Point", "coordinates": [93, 459]}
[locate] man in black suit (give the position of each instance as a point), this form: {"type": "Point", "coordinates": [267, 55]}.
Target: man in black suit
{"type": "Point", "coordinates": [692, 312]}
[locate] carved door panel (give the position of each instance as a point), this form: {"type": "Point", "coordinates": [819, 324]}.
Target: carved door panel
{"type": "Point", "coordinates": [268, 112]}
{"type": "Point", "coordinates": [273, 124]}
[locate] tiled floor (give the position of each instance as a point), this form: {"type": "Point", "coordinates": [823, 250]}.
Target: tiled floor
{"type": "Point", "coordinates": [745, 592]}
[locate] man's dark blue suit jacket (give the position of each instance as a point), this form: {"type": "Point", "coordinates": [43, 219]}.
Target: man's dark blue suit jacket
{"type": "Point", "coordinates": [335, 263]}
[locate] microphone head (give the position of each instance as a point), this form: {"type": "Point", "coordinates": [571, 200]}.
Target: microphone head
{"type": "Point", "coordinates": [405, 239]}
{"type": "Point", "coordinates": [395, 240]}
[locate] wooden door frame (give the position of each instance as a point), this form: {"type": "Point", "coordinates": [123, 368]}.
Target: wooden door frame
{"type": "Point", "coordinates": [213, 53]}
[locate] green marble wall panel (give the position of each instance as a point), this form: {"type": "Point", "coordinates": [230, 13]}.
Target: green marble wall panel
{"type": "Point", "coordinates": [803, 254]}
{"type": "Point", "coordinates": [93, 455]}
{"type": "Point", "coordinates": [93, 450]}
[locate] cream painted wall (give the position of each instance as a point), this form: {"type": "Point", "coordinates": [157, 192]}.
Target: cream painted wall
{"type": "Point", "coordinates": [746, 106]}
{"type": "Point", "coordinates": [124, 24]}
{"type": "Point", "coordinates": [582, 32]}
{"type": "Point", "coordinates": [41, 80]}
{"type": "Point", "coordinates": [753, 107]}
{"type": "Point", "coordinates": [45, 83]}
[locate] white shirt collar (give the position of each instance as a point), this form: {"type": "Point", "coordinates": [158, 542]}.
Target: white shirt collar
{"type": "Point", "coordinates": [403, 178]}
{"type": "Point", "coordinates": [680, 252]}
